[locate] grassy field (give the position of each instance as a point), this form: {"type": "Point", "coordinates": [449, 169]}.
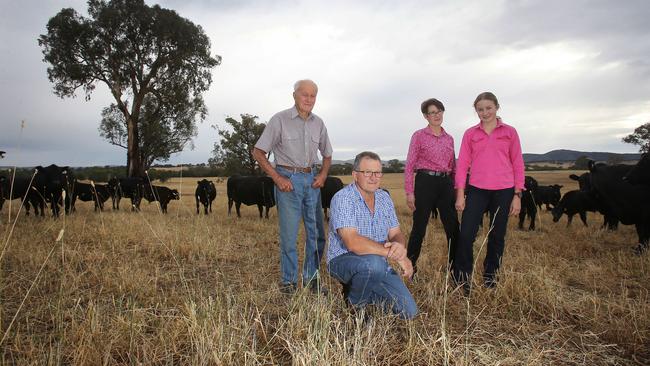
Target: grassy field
{"type": "Point", "coordinates": [146, 288]}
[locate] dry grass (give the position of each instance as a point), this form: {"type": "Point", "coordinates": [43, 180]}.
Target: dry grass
{"type": "Point", "coordinates": [181, 288]}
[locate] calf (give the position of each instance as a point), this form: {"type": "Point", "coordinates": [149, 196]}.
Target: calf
{"type": "Point", "coordinates": [205, 193]}
{"type": "Point", "coordinates": [50, 182]}
{"type": "Point", "coordinates": [574, 202]}
{"type": "Point", "coordinates": [132, 188]}
{"type": "Point", "coordinates": [161, 194]}
{"type": "Point", "coordinates": [98, 193]}
{"type": "Point", "coordinates": [610, 220]}
{"type": "Point", "coordinates": [251, 190]}
{"type": "Point", "coordinates": [327, 191]}
{"type": "Point", "coordinates": [548, 195]}
{"type": "Point", "coordinates": [528, 206]}
{"type": "Point", "coordinates": [22, 187]}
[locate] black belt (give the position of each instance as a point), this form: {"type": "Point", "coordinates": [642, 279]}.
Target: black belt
{"type": "Point", "coordinates": [295, 169]}
{"type": "Point", "coordinates": [433, 173]}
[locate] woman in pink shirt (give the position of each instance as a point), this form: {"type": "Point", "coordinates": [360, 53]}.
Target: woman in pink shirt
{"type": "Point", "coordinates": [431, 157]}
{"type": "Point", "coordinates": [491, 152]}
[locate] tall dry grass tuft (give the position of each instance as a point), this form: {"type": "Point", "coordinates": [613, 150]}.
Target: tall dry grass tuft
{"type": "Point", "coordinates": [181, 288]}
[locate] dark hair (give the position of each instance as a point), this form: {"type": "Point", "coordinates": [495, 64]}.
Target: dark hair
{"type": "Point", "coordinates": [363, 155]}
{"type": "Point", "coordinates": [487, 96]}
{"type": "Point", "coordinates": [424, 107]}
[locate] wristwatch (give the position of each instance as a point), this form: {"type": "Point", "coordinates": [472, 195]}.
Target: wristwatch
{"type": "Point", "coordinates": [518, 194]}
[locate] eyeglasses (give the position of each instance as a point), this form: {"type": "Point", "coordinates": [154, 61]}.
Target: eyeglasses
{"type": "Point", "coordinates": [434, 113]}
{"type": "Point", "coordinates": [369, 173]}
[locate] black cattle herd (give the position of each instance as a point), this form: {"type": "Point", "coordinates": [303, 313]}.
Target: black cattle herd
{"type": "Point", "coordinates": [621, 193]}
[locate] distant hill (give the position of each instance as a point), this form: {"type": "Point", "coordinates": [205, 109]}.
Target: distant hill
{"type": "Point", "coordinates": [572, 155]}
{"type": "Point", "coordinates": [552, 156]}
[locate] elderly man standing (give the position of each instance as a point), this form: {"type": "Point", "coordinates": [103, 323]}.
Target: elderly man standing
{"type": "Point", "coordinates": [295, 135]}
{"type": "Point", "coordinates": [364, 234]}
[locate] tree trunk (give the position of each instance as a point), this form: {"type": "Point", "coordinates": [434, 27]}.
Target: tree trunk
{"type": "Point", "coordinates": [135, 168]}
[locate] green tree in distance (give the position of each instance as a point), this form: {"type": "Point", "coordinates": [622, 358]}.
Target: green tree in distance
{"type": "Point", "coordinates": [234, 152]}
{"type": "Point", "coordinates": [137, 51]}
{"type": "Point", "coordinates": [641, 137]}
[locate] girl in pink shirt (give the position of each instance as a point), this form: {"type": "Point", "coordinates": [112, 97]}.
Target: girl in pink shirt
{"type": "Point", "coordinates": [491, 153]}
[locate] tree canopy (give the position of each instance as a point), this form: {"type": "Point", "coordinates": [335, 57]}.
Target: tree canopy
{"type": "Point", "coordinates": [641, 137]}
{"type": "Point", "coordinates": [143, 54]}
{"type": "Point", "coordinates": [234, 151]}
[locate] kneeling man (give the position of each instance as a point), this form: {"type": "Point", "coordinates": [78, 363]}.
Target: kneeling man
{"type": "Point", "coordinates": [363, 235]}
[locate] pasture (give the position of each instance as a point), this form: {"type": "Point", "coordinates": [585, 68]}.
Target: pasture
{"type": "Point", "coordinates": [147, 288]}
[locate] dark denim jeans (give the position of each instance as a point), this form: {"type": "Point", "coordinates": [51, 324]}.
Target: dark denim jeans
{"type": "Point", "coordinates": [372, 281]}
{"type": "Point", "coordinates": [293, 206]}
{"type": "Point", "coordinates": [497, 202]}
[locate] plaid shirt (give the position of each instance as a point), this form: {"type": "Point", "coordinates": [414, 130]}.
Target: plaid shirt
{"type": "Point", "coordinates": [349, 210]}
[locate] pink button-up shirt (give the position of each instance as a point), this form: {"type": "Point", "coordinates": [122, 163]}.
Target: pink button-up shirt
{"type": "Point", "coordinates": [428, 151]}
{"type": "Point", "coordinates": [495, 160]}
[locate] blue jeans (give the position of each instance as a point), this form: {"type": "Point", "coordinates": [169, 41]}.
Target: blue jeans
{"type": "Point", "coordinates": [372, 281]}
{"type": "Point", "coordinates": [293, 206]}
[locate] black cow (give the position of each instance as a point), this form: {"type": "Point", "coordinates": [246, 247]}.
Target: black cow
{"type": "Point", "coordinates": [98, 193]}
{"type": "Point", "coordinates": [610, 220]}
{"type": "Point", "coordinates": [132, 188]}
{"type": "Point", "coordinates": [640, 173]}
{"type": "Point", "coordinates": [575, 202]}
{"type": "Point", "coordinates": [20, 188]}
{"type": "Point", "coordinates": [327, 191]}
{"type": "Point", "coordinates": [629, 202]}
{"type": "Point", "coordinates": [50, 182]}
{"type": "Point", "coordinates": [162, 195]}
{"type": "Point", "coordinates": [205, 193]}
{"type": "Point", "coordinates": [528, 206]}
{"type": "Point", "coordinates": [548, 195]}
{"type": "Point", "coordinates": [250, 190]}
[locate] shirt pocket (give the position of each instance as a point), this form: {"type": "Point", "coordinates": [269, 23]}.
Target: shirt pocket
{"type": "Point", "coordinates": [315, 139]}
{"type": "Point", "coordinates": [503, 143]}
{"type": "Point", "coordinates": [478, 142]}
{"type": "Point", "coordinates": [290, 136]}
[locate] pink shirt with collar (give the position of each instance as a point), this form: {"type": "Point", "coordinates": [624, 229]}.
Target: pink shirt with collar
{"type": "Point", "coordinates": [428, 151]}
{"type": "Point", "coordinates": [494, 161]}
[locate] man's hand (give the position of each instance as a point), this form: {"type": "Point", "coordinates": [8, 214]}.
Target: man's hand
{"type": "Point", "coordinates": [319, 181]}
{"type": "Point", "coordinates": [283, 183]}
{"type": "Point", "coordinates": [407, 268]}
{"type": "Point", "coordinates": [396, 250]}
{"type": "Point", "coordinates": [410, 201]}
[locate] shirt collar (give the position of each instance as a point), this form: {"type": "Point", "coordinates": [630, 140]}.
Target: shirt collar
{"type": "Point", "coordinates": [294, 114]}
{"type": "Point", "coordinates": [478, 126]}
{"type": "Point", "coordinates": [427, 130]}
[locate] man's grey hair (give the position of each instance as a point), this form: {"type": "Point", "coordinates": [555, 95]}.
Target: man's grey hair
{"type": "Point", "coordinates": [299, 82]}
{"type": "Point", "coordinates": [364, 155]}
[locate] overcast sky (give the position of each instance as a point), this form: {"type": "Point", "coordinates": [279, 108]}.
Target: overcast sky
{"type": "Point", "coordinates": [568, 74]}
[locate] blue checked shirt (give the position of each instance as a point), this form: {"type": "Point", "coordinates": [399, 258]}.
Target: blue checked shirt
{"type": "Point", "coordinates": [349, 210]}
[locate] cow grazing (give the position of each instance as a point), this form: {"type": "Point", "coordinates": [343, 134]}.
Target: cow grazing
{"type": "Point", "coordinates": [250, 190]}
{"type": "Point", "coordinates": [629, 202]}
{"type": "Point", "coordinates": [205, 193]}
{"type": "Point", "coordinates": [640, 173]}
{"type": "Point", "coordinates": [574, 202]}
{"type": "Point", "coordinates": [584, 182]}
{"type": "Point", "coordinates": [20, 188]}
{"type": "Point", "coordinates": [50, 182]}
{"type": "Point", "coordinates": [97, 193]}
{"type": "Point", "coordinates": [548, 195]}
{"type": "Point", "coordinates": [327, 191]}
{"type": "Point", "coordinates": [528, 207]}
{"type": "Point", "coordinates": [161, 194]}
{"type": "Point", "coordinates": [132, 188]}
